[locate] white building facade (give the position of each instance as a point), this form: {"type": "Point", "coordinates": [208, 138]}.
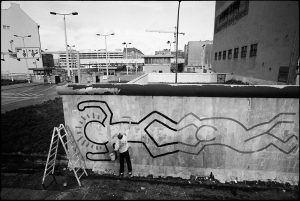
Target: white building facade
{"type": "Point", "coordinates": [198, 56]}
{"type": "Point", "coordinates": [14, 21]}
{"type": "Point", "coordinates": [97, 60]}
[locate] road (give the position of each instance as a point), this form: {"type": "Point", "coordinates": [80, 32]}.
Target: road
{"type": "Point", "coordinates": [22, 95]}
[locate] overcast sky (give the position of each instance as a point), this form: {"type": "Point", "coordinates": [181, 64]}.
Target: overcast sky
{"type": "Point", "coordinates": [127, 19]}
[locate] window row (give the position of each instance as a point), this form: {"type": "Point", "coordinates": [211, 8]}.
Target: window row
{"type": "Point", "coordinates": [222, 54]}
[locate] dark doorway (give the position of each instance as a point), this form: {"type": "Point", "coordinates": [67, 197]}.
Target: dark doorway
{"type": "Point", "coordinates": [57, 79]}
{"type": "Point", "coordinates": [97, 79]}
{"type": "Point", "coordinates": [76, 78]}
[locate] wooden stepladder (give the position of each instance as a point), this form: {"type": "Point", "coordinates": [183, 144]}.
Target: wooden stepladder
{"type": "Point", "coordinates": [76, 160]}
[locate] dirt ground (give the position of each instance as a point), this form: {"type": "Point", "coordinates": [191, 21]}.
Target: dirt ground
{"type": "Point", "coordinates": [21, 178]}
{"type": "Point", "coordinates": [28, 186]}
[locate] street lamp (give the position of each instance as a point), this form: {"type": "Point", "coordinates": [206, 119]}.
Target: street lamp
{"type": "Point", "coordinates": [73, 13]}
{"type": "Point", "coordinates": [169, 42]}
{"type": "Point", "coordinates": [124, 43]}
{"type": "Point", "coordinates": [28, 36]}
{"type": "Point", "coordinates": [177, 40]}
{"type": "Point", "coordinates": [106, 49]}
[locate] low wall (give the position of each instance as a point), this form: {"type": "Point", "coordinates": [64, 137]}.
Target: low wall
{"type": "Point", "coordinates": [152, 78]}
{"type": "Point", "coordinates": [235, 132]}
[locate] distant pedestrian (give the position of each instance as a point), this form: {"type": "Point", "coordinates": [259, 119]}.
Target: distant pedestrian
{"type": "Point", "coordinates": [121, 145]}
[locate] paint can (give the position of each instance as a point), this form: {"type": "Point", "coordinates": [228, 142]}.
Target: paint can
{"type": "Point", "coordinates": [112, 156]}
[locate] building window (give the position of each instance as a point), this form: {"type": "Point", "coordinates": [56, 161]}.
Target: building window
{"type": "Point", "coordinates": [219, 55]}
{"type": "Point", "coordinates": [6, 27]}
{"type": "Point", "coordinates": [230, 54]}
{"type": "Point", "coordinates": [236, 53]}
{"type": "Point", "coordinates": [283, 74]}
{"type": "Point", "coordinates": [244, 52]}
{"type": "Point", "coordinates": [253, 50]}
{"type": "Point", "coordinates": [224, 55]}
{"type": "Point", "coordinates": [216, 56]}
{"type": "Point", "coordinates": [231, 14]}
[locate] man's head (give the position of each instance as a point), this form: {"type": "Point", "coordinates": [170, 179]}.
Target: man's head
{"type": "Point", "coordinates": [120, 136]}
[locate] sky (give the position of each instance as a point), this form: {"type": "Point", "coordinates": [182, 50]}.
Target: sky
{"type": "Point", "coordinates": [129, 20]}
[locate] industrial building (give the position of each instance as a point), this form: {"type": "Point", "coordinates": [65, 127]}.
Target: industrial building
{"type": "Point", "coordinates": [198, 56]}
{"type": "Point", "coordinates": [257, 39]}
{"type": "Point", "coordinates": [14, 21]}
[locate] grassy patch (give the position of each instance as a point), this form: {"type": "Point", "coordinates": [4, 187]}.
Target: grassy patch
{"type": "Point", "coordinates": [29, 129]}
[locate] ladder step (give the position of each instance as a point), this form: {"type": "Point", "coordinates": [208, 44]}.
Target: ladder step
{"type": "Point", "coordinates": [50, 166]}
{"type": "Point", "coordinates": [53, 148]}
{"type": "Point", "coordinates": [52, 160]}
{"type": "Point", "coordinates": [55, 141]}
{"type": "Point", "coordinates": [76, 170]}
{"type": "Point", "coordinates": [54, 153]}
{"type": "Point", "coordinates": [81, 175]}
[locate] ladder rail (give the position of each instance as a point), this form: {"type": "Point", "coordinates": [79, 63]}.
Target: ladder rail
{"type": "Point", "coordinates": [52, 138]}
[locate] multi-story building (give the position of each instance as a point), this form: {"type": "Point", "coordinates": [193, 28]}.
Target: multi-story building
{"type": "Point", "coordinates": [14, 21]}
{"type": "Point", "coordinates": [198, 56]}
{"type": "Point", "coordinates": [180, 55]}
{"type": "Point", "coordinates": [132, 53]}
{"type": "Point", "coordinates": [257, 39]}
{"type": "Point", "coordinates": [96, 60]}
{"type": "Point", "coordinates": [157, 63]}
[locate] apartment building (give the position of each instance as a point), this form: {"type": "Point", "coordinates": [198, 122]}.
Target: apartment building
{"type": "Point", "coordinates": [198, 56]}
{"type": "Point", "coordinates": [257, 39]}
{"type": "Point", "coordinates": [14, 21]}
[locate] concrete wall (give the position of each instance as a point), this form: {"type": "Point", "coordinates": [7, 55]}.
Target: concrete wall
{"type": "Point", "coordinates": [206, 129]}
{"type": "Point", "coordinates": [156, 67]}
{"type": "Point", "coordinates": [208, 77]}
{"type": "Point", "coordinates": [181, 78]}
{"type": "Point", "coordinates": [274, 26]}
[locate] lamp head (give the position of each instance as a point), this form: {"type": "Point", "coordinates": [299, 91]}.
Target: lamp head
{"type": "Point", "coordinates": [124, 43]}
{"type": "Point", "coordinates": [75, 13]}
{"type": "Point", "coordinates": [112, 34]}
{"type": "Point", "coordinates": [29, 36]}
{"type": "Point", "coordinates": [52, 13]}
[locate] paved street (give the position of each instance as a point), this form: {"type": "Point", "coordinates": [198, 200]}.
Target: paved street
{"type": "Point", "coordinates": [22, 95]}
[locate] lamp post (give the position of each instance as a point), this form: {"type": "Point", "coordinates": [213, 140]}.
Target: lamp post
{"type": "Point", "coordinates": [169, 42]}
{"type": "Point", "coordinates": [124, 43]}
{"type": "Point", "coordinates": [25, 58]}
{"type": "Point", "coordinates": [106, 49]}
{"type": "Point", "coordinates": [73, 13]}
{"type": "Point", "coordinates": [177, 40]}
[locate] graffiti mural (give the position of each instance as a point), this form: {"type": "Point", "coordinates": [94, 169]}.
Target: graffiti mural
{"type": "Point", "coordinates": [161, 135]}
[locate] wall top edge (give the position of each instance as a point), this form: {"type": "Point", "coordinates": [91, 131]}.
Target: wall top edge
{"type": "Point", "coordinates": [192, 90]}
